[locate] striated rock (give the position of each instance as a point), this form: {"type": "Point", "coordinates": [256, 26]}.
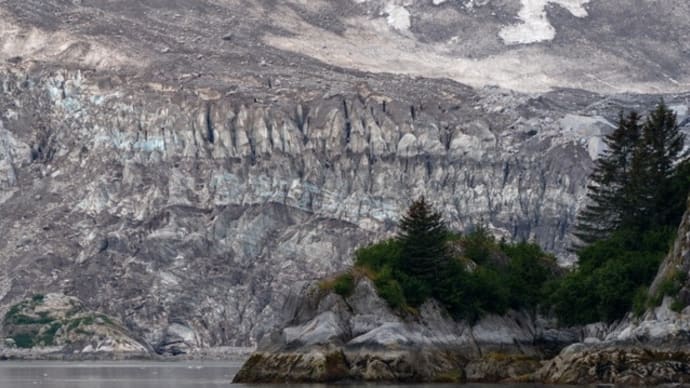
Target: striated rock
{"type": "Point", "coordinates": [173, 208]}
{"type": "Point", "coordinates": [430, 346]}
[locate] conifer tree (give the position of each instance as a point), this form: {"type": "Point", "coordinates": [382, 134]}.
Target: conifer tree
{"type": "Point", "coordinates": [663, 144]}
{"type": "Point", "coordinates": [635, 183]}
{"type": "Point", "coordinates": [422, 238]}
{"type": "Point", "coordinates": [610, 180]}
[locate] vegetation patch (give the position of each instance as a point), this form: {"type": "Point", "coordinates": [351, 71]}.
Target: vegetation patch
{"type": "Point", "coordinates": [24, 340]}
{"type": "Point", "coordinates": [470, 275]}
{"type": "Point", "coordinates": [454, 376]}
{"type": "Point", "coordinates": [343, 284]}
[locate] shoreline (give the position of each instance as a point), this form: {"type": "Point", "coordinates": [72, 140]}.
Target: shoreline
{"type": "Point", "coordinates": [239, 354]}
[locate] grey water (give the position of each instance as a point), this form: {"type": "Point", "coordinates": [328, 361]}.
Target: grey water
{"type": "Point", "coordinates": [140, 374]}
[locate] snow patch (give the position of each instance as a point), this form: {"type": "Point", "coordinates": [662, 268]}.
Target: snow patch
{"type": "Point", "coordinates": [534, 26]}
{"type": "Point", "coordinates": [398, 17]}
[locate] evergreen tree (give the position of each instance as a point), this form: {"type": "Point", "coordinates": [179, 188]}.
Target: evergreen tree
{"type": "Point", "coordinates": [663, 143]}
{"type": "Point", "coordinates": [608, 200]}
{"type": "Point", "coordinates": [636, 183]}
{"type": "Point", "coordinates": [422, 238]}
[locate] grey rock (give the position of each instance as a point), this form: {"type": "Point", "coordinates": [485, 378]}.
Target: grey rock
{"type": "Point", "coordinates": [382, 346]}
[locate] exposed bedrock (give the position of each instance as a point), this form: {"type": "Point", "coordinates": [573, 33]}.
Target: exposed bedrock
{"type": "Point", "coordinates": [187, 213]}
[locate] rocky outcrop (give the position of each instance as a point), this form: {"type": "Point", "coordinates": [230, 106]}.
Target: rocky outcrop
{"type": "Point", "coordinates": [330, 338]}
{"type": "Point", "coordinates": [648, 350]}
{"type": "Point", "coordinates": [56, 326]}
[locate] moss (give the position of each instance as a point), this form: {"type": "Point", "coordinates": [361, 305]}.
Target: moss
{"type": "Point", "coordinates": [454, 376]}
{"type": "Point", "coordinates": [13, 312]}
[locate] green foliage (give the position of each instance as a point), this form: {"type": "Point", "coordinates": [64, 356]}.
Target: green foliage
{"type": "Point", "coordinates": [38, 298]}
{"type": "Point", "coordinates": [677, 305]}
{"type": "Point", "coordinates": [611, 272]}
{"type": "Point", "coordinates": [344, 285]}
{"type": "Point", "coordinates": [637, 197]}
{"type": "Point", "coordinates": [478, 245]}
{"type": "Point", "coordinates": [416, 291]}
{"type": "Point", "coordinates": [528, 271]}
{"type": "Point", "coordinates": [641, 181]}
{"type": "Point", "coordinates": [422, 238]}
{"type": "Point", "coordinates": [504, 275]}
{"type": "Point", "coordinates": [389, 289]}
{"type": "Point", "coordinates": [24, 340]}
{"type": "Point", "coordinates": [376, 256]}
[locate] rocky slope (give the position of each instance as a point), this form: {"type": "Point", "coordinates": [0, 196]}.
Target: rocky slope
{"type": "Point", "coordinates": [178, 165]}
{"type": "Point", "coordinates": [55, 326]}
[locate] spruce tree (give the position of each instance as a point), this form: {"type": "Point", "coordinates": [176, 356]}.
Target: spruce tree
{"type": "Point", "coordinates": [422, 238]}
{"type": "Point", "coordinates": [663, 144]}
{"type": "Point", "coordinates": [637, 182]}
{"type": "Point", "coordinates": [608, 200]}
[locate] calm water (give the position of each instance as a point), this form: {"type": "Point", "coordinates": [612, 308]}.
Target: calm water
{"type": "Point", "coordinates": [132, 375]}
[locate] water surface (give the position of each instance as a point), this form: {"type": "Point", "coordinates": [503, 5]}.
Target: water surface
{"type": "Point", "coordinates": [140, 374]}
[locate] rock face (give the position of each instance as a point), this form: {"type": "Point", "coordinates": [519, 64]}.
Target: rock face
{"type": "Point", "coordinates": [178, 213]}
{"type": "Point", "coordinates": [178, 165]}
{"type": "Point", "coordinates": [330, 338]}
{"type": "Point", "coordinates": [56, 326]}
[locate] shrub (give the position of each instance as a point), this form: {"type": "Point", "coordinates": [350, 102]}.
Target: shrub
{"type": "Point", "coordinates": [611, 273]}
{"type": "Point", "coordinates": [389, 289]}
{"type": "Point", "coordinates": [24, 340]}
{"type": "Point", "coordinates": [376, 256]}
{"type": "Point", "coordinates": [479, 245]}
{"type": "Point", "coordinates": [344, 285]}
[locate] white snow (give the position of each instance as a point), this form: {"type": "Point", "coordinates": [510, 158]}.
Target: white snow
{"type": "Point", "coordinates": [399, 17]}
{"type": "Point", "coordinates": [534, 26]}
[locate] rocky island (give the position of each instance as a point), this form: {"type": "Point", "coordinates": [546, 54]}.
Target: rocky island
{"type": "Point", "coordinates": [328, 338]}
